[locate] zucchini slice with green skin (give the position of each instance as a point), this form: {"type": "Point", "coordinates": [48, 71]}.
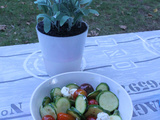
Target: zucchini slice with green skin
{"type": "Point", "coordinates": [72, 86]}
{"type": "Point", "coordinates": [53, 104]}
{"type": "Point", "coordinates": [93, 110]}
{"type": "Point", "coordinates": [116, 112]}
{"type": "Point", "coordinates": [48, 110]}
{"type": "Point", "coordinates": [81, 103]}
{"type": "Point", "coordinates": [97, 97]}
{"type": "Point", "coordinates": [62, 104]}
{"type": "Point", "coordinates": [75, 113]}
{"type": "Point", "coordinates": [108, 100]}
{"type": "Point", "coordinates": [115, 117]}
{"type": "Point", "coordinates": [55, 98]}
{"type": "Point", "coordinates": [102, 86]}
{"type": "Point", "coordinates": [55, 92]}
{"type": "Point", "coordinates": [72, 102]}
{"type": "Point", "coordinates": [93, 94]}
{"type": "Point", "coordinates": [45, 101]}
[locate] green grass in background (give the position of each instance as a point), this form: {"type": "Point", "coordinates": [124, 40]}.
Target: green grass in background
{"type": "Point", "coordinates": [136, 15]}
{"type": "Point", "coordinates": [19, 16]}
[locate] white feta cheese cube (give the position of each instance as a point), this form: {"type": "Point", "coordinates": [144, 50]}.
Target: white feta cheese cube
{"type": "Point", "coordinates": [66, 92]}
{"type": "Point", "coordinates": [103, 116]}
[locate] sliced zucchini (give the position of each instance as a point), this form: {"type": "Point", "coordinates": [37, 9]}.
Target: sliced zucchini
{"type": "Point", "coordinates": [102, 86]}
{"type": "Point", "coordinates": [46, 100]}
{"type": "Point", "coordinates": [93, 94]}
{"type": "Point", "coordinates": [62, 104]}
{"type": "Point", "coordinates": [53, 104]}
{"type": "Point", "coordinates": [41, 110]}
{"type": "Point", "coordinates": [55, 98]}
{"type": "Point", "coordinates": [72, 102]}
{"type": "Point", "coordinates": [116, 112]}
{"type": "Point", "coordinates": [108, 100]}
{"type": "Point", "coordinates": [72, 86]}
{"type": "Point", "coordinates": [97, 97]}
{"type": "Point", "coordinates": [48, 110]}
{"type": "Point", "coordinates": [75, 113]}
{"type": "Point", "coordinates": [115, 117]}
{"type": "Point", "coordinates": [81, 103]}
{"type": "Point", "coordinates": [55, 92]}
{"type": "Point", "coordinates": [93, 110]}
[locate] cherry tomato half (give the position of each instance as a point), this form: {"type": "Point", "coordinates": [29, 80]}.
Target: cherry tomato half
{"type": "Point", "coordinates": [91, 118]}
{"type": "Point", "coordinates": [92, 102]}
{"type": "Point", "coordinates": [48, 117]}
{"type": "Point", "coordinates": [78, 92]}
{"type": "Point", "coordinates": [64, 116]}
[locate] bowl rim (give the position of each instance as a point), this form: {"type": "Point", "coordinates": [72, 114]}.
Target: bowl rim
{"type": "Point", "coordinates": [79, 72]}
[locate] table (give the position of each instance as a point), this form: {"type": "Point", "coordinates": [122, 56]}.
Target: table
{"type": "Point", "coordinates": [131, 59]}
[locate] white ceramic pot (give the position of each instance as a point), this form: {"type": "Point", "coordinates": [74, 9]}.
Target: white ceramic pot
{"type": "Point", "coordinates": [62, 54]}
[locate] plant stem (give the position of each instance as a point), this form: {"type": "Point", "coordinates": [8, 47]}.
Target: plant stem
{"type": "Point", "coordinates": [59, 21]}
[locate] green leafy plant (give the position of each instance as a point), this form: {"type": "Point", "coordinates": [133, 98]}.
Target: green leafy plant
{"type": "Point", "coordinates": [56, 13]}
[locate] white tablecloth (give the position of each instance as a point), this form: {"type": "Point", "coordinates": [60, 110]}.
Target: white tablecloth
{"type": "Point", "coordinates": [132, 60]}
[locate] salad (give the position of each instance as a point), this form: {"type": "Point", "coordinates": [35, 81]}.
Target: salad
{"type": "Point", "coordinates": [73, 102]}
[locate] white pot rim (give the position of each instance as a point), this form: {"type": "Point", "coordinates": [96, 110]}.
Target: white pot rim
{"type": "Point", "coordinates": [65, 36]}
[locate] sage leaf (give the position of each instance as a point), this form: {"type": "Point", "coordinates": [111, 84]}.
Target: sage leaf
{"type": "Point", "coordinates": [85, 1]}
{"type": "Point", "coordinates": [47, 25]}
{"type": "Point", "coordinates": [42, 16]}
{"type": "Point", "coordinates": [87, 11]}
{"type": "Point", "coordinates": [93, 11]}
{"type": "Point", "coordinates": [63, 20]}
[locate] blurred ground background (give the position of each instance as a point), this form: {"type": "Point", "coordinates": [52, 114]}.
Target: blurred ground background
{"type": "Point", "coordinates": [18, 19]}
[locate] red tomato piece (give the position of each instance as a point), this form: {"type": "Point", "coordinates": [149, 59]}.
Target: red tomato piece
{"type": "Point", "coordinates": [78, 92]}
{"type": "Point", "coordinates": [91, 118]}
{"type": "Point", "coordinates": [92, 102]}
{"type": "Point", "coordinates": [64, 116]}
{"type": "Point", "coordinates": [48, 117]}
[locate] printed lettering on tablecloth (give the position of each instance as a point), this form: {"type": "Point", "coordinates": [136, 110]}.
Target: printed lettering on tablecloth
{"type": "Point", "coordinates": [14, 111]}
